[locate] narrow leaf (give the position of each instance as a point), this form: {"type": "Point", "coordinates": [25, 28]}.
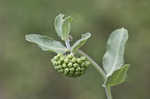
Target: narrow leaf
{"type": "Point", "coordinates": [66, 27]}
{"type": "Point", "coordinates": [46, 43]}
{"type": "Point", "coordinates": [119, 76]}
{"type": "Point", "coordinates": [114, 56]}
{"type": "Point", "coordinates": [81, 42]}
{"type": "Point", "coordinates": [63, 26]}
{"type": "Point", "coordinates": [58, 25]}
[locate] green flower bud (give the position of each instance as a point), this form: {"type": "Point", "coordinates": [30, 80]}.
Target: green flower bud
{"type": "Point", "coordinates": [69, 65]}
{"type": "Point", "coordinates": [74, 60]}
{"type": "Point", "coordinates": [60, 71]}
{"type": "Point", "coordinates": [62, 58]}
{"type": "Point", "coordinates": [72, 70]}
{"type": "Point", "coordinates": [70, 56]}
{"type": "Point", "coordinates": [59, 62]}
{"type": "Point", "coordinates": [66, 60]}
{"type": "Point", "coordinates": [66, 71]}
{"type": "Point", "coordinates": [57, 67]}
{"type": "Point", "coordinates": [59, 55]}
{"type": "Point", "coordinates": [54, 62]}
{"type": "Point", "coordinates": [87, 62]}
{"type": "Point", "coordinates": [64, 65]}
{"type": "Point", "coordinates": [78, 69]}
{"type": "Point", "coordinates": [75, 65]}
{"type": "Point", "coordinates": [83, 64]}
{"type": "Point", "coordinates": [55, 58]}
{"type": "Point", "coordinates": [79, 60]}
{"type": "Point", "coordinates": [82, 58]}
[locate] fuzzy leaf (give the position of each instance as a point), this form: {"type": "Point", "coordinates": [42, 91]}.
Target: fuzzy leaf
{"type": "Point", "coordinates": [118, 76]}
{"type": "Point", "coordinates": [81, 42]}
{"type": "Point", "coordinates": [58, 25]}
{"type": "Point", "coordinates": [66, 27]}
{"type": "Point", "coordinates": [46, 43]}
{"type": "Point", "coordinates": [114, 56]}
{"type": "Point", "coordinates": [63, 26]}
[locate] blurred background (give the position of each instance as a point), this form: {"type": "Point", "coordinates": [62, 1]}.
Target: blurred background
{"type": "Point", "coordinates": [26, 71]}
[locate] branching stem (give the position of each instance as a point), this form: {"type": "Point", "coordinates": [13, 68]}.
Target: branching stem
{"type": "Point", "coordinates": [101, 71]}
{"type": "Point", "coordinates": [96, 66]}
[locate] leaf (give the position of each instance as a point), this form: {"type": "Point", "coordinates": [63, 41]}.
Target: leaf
{"type": "Point", "coordinates": [46, 43]}
{"type": "Point", "coordinates": [114, 56]}
{"type": "Point", "coordinates": [66, 27]}
{"type": "Point", "coordinates": [119, 76]}
{"type": "Point", "coordinates": [58, 24]}
{"type": "Point", "coordinates": [63, 26]}
{"type": "Point", "coordinates": [81, 42]}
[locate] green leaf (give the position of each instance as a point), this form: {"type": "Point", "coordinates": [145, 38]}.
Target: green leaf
{"type": "Point", "coordinates": [81, 42]}
{"type": "Point", "coordinates": [46, 43]}
{"type": "Point", "coordinates": [58, 25]}
{"type": "Point", "coordinates": [119, 76]}
{"type": "Point", "coordinates": [66, 27]}
{"type": "Point", "coordinates": [114, 56]}
{"type": "Point", "coordinates": [63, 26]}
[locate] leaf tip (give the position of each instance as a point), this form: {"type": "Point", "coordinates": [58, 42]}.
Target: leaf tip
{"type": "Point", "coordinates": [123, 29]}
{"type": "Point", "coordinates": [60, 14]}
{"type": "Point", "coordinates": [87, 35]}
{"type": "Point", "coordinates": [27, 37]}
{"type": "Point", "coordinates": [127, 66]}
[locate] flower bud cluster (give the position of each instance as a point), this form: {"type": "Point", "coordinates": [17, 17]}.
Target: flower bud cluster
{"type": "Point", "coordinates": [69, 65]}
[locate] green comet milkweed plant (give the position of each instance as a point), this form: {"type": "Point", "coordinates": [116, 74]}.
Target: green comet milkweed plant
{"type": "Point", "coordinates": [73, 62]}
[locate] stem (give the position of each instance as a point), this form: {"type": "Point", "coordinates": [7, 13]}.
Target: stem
{"type": "Point", "coordinates": [100, 70]}
{"type": "Point", "coordinates": [67, 42]}
{"type": "Point", "coordinates": [97, 67]}
{"type": "Point", "coordinates": [108, 92]}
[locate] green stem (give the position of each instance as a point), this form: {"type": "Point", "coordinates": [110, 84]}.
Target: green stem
{"type": "Point", "coordinates": [67, 42]}
{"type": "Point", "coordinates": [108, 92]}
{"type": "Point", "coordinates": [100, 70]}
{"type": "Point", "coordinates": [96, 66]}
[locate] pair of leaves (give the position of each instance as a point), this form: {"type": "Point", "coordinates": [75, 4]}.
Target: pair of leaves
{"type": "Point", "coordinates": [63, 26]}
{"type": "Point", "coordinates": [48, 44]}
{"type": "Point", "coordinates": [113, 60]}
